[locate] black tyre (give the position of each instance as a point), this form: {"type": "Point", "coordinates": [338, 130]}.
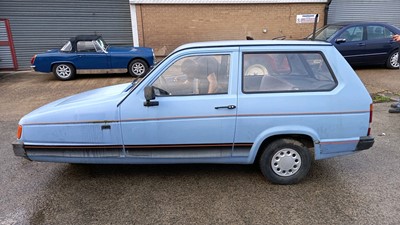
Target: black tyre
{"type": "Point", "coordinates": [138, 68]}
{"type": "Point", "coordinates": [285, 161]}
{"type": "Point", "coordinates": [393, 60]}
{"type": "Point", "coordinates": [64, 71]}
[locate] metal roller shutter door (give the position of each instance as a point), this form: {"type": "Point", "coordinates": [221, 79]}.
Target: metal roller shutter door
{"type": "Point", "coordinates": [365, 10]}
{"type": "Point", "coordinates": [44, 24]}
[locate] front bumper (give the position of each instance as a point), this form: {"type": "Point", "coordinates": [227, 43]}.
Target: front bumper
{"type": "Point", "coordinates": [365, 143]}
{"type": "Point", "coordinates": [19, 150]}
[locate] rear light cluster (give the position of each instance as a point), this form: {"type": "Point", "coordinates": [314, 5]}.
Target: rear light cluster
{"type": "Point", "coordinates": [371, 110]}
{"type": "Point", "coordinates": [33, 59]}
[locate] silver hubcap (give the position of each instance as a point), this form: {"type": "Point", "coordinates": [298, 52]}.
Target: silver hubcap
{"type": "Point", "coordinates": [63, 71]}
{"type": "Point", "coordinates": [138, 68]}
{"type": "Point", "coordinates": [286, 162]}
{"type": "Point", "coordinates": [394, 61]}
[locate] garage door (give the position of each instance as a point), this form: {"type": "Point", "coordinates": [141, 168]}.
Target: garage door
{"type": "Point", "coordinates": [365, 10]}
{"type": "Point", "coordinates": [45, 24]}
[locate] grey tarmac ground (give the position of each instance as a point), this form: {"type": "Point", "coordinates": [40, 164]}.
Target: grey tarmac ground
{"type": "Point", "coordinates": [363, 188]}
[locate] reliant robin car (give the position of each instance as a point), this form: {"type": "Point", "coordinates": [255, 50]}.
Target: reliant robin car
{"type": "Point", "coordinates": [273, 103]}
{"type": "Point", "coordinates": [90, 54]}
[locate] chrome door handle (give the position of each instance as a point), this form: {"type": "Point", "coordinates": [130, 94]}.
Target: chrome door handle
{"type": "Point", "coordinates": [226, 107]}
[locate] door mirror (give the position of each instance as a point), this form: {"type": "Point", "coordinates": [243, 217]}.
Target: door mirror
{"type": "Point", "coordinates": [149, 95]}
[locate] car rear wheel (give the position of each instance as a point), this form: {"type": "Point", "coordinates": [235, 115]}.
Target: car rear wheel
{"type": "Point", "coordinates": [285, 161]}
{"type": "Point", "coordinates": [393, 60]}
{"type": "Point", "coordinates": [138, 68]}
{"type": "Point", "coordinates": [64, 71]}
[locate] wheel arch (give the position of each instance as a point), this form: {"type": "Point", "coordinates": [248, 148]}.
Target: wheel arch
{"type": "Point", "coordinates": [141, 58]}
{"type": "Point", "coordinates": [306, 136]}
{"type": "Point", "coordinates": [61, 62]}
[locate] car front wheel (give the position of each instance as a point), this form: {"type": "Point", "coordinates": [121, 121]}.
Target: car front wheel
{"type": "Point", "coordinates": [138, 68]}
{"type": "Point", "coordinates": [285, 161]}
{"type": "Point", "coordinates": [64, 71]}
{"type": "Point", "coordinates": [393, 60]}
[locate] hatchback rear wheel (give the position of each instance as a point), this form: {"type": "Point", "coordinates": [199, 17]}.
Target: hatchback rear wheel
{"type": "Point", "coordinates": [285, 161]}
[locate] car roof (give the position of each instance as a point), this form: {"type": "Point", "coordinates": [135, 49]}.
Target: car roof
{"type": "Point", "coordinates": [346, 23]}
{"type": "Point", "coordinates": [77, 38]}
{"type": "Point", "coordinates": [239, 43]}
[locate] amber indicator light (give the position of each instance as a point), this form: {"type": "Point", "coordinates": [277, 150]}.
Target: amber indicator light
{"type": "Point", "coordinates": [19, 132]}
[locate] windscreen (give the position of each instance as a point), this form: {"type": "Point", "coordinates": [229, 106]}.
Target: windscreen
{"type": "Point", "coordinates": [325, 33]}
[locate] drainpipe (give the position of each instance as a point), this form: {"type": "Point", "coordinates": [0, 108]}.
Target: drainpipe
{"type": "Point", "coordinates": [327, 11]}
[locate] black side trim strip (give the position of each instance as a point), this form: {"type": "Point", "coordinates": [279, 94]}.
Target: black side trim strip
{"type": "Point", "coordinates": [188, 146]}
{"type": "Point", "coordinates": [74, 151]}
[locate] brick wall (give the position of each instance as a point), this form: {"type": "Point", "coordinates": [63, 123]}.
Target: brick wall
{"type": "Point", "coordinates": [165, 27]}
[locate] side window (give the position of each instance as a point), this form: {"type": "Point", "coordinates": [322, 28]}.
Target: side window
{"type": "Point", "coordinates": [353, 34]}
{"type": "Point", "coordinates": [378, 32]}
{"type": "Point", "coordinates": [67, 47]}
{"type": "Point", "coordinates": [85, 46]}
{"type": "Point", "coordinates": [286, 72]}
{"type": "Point", "coordinates": [195, 75]}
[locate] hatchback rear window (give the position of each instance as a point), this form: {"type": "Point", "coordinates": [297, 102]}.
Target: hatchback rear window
{"type": "Point", "coordinates": [286, 72]}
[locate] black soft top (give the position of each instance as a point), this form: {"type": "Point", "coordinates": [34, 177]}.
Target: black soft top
{"type": "Point", "coordinates": [84, 38]}
{"type": "Point", "coordinates": [75, 39]}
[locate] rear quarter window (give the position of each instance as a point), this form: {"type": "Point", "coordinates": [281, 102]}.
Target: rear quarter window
{"type": "Point", "coordinates": [286, 72]}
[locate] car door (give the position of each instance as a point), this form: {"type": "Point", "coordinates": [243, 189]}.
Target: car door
{"type": "Point", "coordinates": [278, 92]}
{"type": "Point", "coordinates": [186, 122]}
{"type": "Point", "coordinates": [88, 58]}
{"type": "Point", "coordinates": [379, 43]}
{"type": "Point", "coordinates": [351, 44]}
